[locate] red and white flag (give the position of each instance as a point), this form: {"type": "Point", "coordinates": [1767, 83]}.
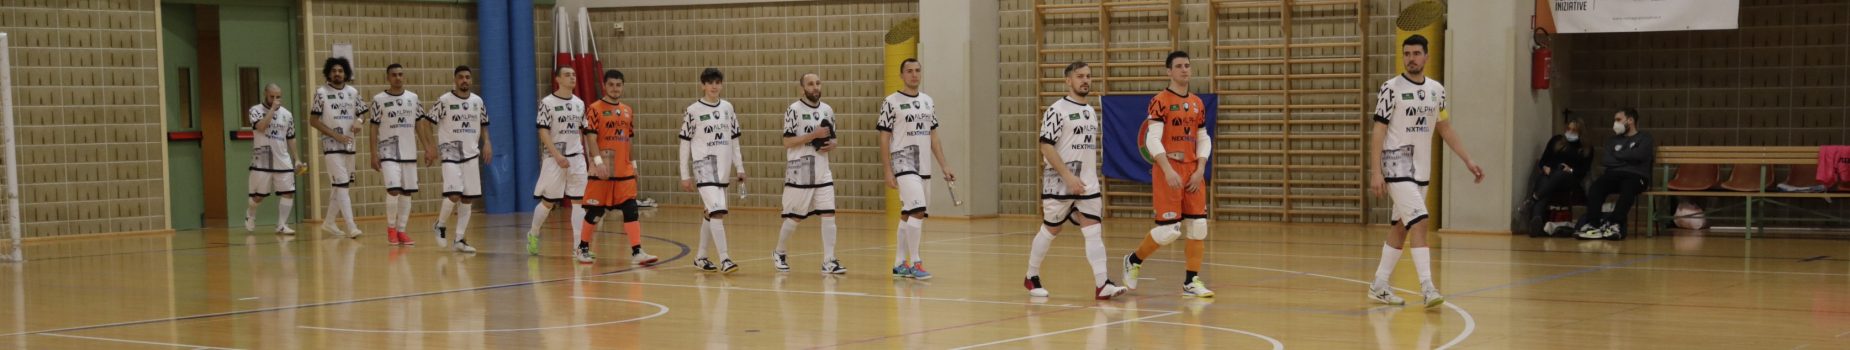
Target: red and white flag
{"type": "Point", "coordinates": [590, 71]}
{"type": "Point", "coordinates": [562, 42]}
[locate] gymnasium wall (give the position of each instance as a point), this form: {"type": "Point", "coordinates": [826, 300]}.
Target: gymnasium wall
{"type": "Point", "coordinates": [1020, 104]}
{"type": "Point", "coordinates": [429, 39]}
{"type": "Point", "coordinates": [85, 81]}
{"type": "Point", "coordinates": [762, 49]}
{"type": "Point", "coordinates": [1781, 79]}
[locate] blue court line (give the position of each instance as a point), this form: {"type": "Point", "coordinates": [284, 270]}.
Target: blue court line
{"type": "Point", "coordinates": [1541, 279]}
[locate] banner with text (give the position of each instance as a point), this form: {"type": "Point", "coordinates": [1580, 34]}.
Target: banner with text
{"type": "Point", "coordinates": [1602, 16]}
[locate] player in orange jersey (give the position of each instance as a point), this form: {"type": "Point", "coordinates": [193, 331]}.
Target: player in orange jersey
{"type": "Point", "coordinates": [1178, 147]}
{"type": "Point", "coordinates": [610, 127]}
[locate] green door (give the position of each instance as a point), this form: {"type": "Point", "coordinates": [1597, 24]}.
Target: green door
{"type": "Point", "coordinates": [179, 41]}
{"type": "Point", "coordinates": [259, 47]}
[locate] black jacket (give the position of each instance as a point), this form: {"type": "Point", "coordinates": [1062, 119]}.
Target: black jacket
{"type": "Point", "coordinates": [1559, 151]}
{"type": "Point", "coordinates": [1630, 155]}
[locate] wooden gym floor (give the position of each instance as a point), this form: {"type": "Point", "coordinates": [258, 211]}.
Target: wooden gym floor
{"type": "Point", "coordinates": [1279, 286]}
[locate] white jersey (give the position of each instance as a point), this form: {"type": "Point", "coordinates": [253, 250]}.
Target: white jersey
{"type": "Point", "coordinates": [460, 124]}
{"type": "Point", "coordinates": [565, 120]}
{"type": "Point", "coordinates": [270, 150]}
{"type": "Point", "coordinates": [711, 131]}
{"type": "Point", "coordinates": [338, 110]}
{"type": "Point", "coordinates": [396, 117]}
{"type": "Point", "coordinates": [804, 166]}
{"type": "Point", "coordinates": [1073, 130]}
{"type": "Point", "coordinates": [1411, 111]}
{"type": "Point", "coordinates": [911, 121]}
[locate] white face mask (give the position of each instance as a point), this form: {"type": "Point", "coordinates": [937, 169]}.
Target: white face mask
{"type": "Point", "coordinates": [1572, 137]}
{"type": "Point", "coordinates": [1618, 128]}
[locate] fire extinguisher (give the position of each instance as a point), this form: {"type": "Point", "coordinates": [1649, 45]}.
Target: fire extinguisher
{"type": "Point", "coordinates": [1541, 61]}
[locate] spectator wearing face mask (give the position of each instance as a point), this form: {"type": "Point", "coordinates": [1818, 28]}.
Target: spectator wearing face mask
{"type": "Point", "coordinates": [1562, 167]}
{"type": "Point", "coordinates": [1629, 155]}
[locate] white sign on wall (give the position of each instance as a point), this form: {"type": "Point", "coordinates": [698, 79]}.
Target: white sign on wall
{"type": "Point", "coordinates": [1601, 16]}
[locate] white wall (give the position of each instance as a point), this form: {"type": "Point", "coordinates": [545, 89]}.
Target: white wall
{"type": "Point", "coordinates": [1501, 122]}
{"type": "Point", "coordinates": [958, 48]}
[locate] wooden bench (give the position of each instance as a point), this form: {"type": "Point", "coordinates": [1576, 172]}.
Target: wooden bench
{"type": "Point", "coordinates": [1765, 156]}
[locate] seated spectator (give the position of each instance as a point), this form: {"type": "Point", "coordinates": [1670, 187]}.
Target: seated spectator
{"type": "Point", "coordinates": [1629, 155]}
{"type": "Point", "coordinates": [1564, 164]}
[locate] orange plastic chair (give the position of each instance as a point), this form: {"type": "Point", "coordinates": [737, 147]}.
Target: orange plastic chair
{"type": "Point", "coordinates": [1695, 177]}
{"type": "Point", "coordinates": [1746, 178]}
{"type": "Point", "coordinates": [1803, 175]}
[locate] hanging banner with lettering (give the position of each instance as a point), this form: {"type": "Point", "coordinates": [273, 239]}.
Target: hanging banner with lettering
{"type": "Point", "coordinates": [1604, 16]}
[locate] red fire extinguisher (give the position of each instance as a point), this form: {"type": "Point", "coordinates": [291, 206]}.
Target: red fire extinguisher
{"type": "Point", "coordinates": [1541, 62]}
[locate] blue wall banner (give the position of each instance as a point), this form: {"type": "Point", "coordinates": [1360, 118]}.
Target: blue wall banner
{"type": "Point", "coordinates": [1124, 114]}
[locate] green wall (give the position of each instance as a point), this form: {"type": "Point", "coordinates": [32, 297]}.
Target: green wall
{"type": "Point", "coordinates": [185, 174]}
{"type": "Point", "coordinates": [262, 37]}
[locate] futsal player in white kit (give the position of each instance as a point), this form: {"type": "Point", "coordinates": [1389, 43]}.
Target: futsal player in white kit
{"type": "Point", "coordinates": [273, 166]}
{"type": "Point", "coordinates": [1408, 110]}
{"type": "Point", "coordinates": [909, 141]}
{"type": "Point", "coordinates": [396, 112]}
{"type": "Point", "coordinates": [1070, 190]}
{"type": "Point", "coordinates": [809, 185]}
{"type": "Point", "coordinates": [562, 168]}
{"type": "Point", "coordinates": [462, 139]}
{"type": "Point", "coordinates": [335, 111]}
{"type": "Point", "coordinates": [709, 144]}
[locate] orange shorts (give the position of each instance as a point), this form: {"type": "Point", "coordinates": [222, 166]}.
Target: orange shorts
{"type": "Point", "coordinates": [609, 193]}
{"type": "Point", "coordinates": [1174, 204]}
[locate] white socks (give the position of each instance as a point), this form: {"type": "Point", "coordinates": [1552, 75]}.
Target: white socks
{"type": "Point", "coordinates": [1422, 263]}
{"type": "Point", "coordinates": [718, 231]}
{"type": "Point", "coordinates": [1038, 251]}
{"type": "Point", "coordinates": [1389, 257]}
{"type": "Point", "coordinates": [578, 216]}
{"type": "Point", "coordinates": [1095, 252]}
{"type": "Point", "coordinates": [828, 238]}
{"type": "Point", "coordinates": [915, 230]}
{"type": "Point", "coordinates": [391, 211]}
{"type": "Point", "coordinates": [285, 208]}
{"type": "Point", "coordinates": [344, 198]}
{"type": "Point", "coordinates": [462, 219]}
{"type": "Point", "coordinates": [540, 211]}
{"type": "Point", "coordinates": [444, 214]}
{"type": "Point", "coordinates": [783, 234]}
{"type": "Point", "coordinates": [706, 229]}
{"type": "Point", "coordinates": [404, 212]}
{"type": "Point", "coordinates": [250, 209]}
{"type": "Point", "coordinates": [903, 239]}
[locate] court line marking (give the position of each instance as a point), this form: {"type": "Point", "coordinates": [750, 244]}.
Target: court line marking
{"type": "Point", "coordinates": [660, 310]}
{"type": "Point", "coordinates": [1032, 336]}
{"type": "Point", "coordinates": [1470, 322]}
{"type": "Point", "coordinates": [748, 289]}
{"type": "Point", "coordinates": [1494, 250]}
{"type": "Point", "coordinates": [684, 252]}
{"type": "Point", "coordinates": [1652, 256]}
{"type": "Point", "coordinates": [1276, 345]}
{"type": "Point", "coordinates": [177, 345]}
{"type": "Point", "coordinates": [839, 251]}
